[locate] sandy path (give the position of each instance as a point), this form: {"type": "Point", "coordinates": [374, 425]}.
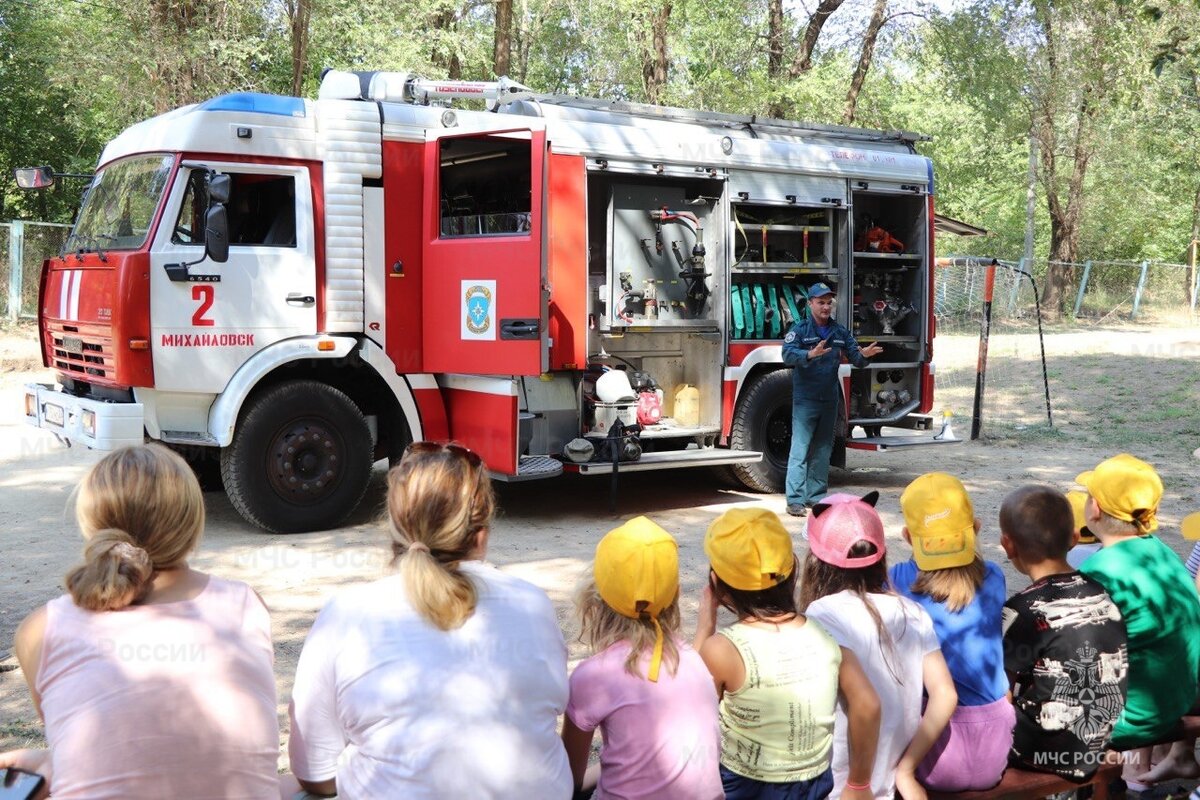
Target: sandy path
{"type": "Point", "coordinates": [546, 532]}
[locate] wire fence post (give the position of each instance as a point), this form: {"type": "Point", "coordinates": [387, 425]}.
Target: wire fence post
{"type": "Point", "coordinates": [981, 364]}
{"type": "Point", "coordinates": [1022, 266]}
{"type": "Point", "coordinates": [1137, 295]}
{"type": "Point", "coordinates": [1083, 282]}
{"type": "Point", "coordinates": [16, 260]}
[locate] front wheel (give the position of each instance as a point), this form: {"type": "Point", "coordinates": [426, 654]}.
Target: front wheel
{"type": "Point", "coordinates": [763, 422]}
{"type": "Point", "coordinates": [300, 459]}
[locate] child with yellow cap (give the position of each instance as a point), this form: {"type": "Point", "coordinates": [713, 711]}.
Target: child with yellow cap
{"type": "Point", "coordinates": [1152, 588]}
{"type": "Point", "coordinates": [846, 589]}
{"type": "Point", "coordinates": [1088, 544]}
{"type": "Point", "coordinates": [963, 595]}
{"type": "Point", "coordinates": [778, 674]}
{"type": "Point", "coordinates": [645, 689]}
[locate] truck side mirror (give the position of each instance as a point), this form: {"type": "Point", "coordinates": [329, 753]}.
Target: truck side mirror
{"type": "Point", "coordinates": [34, 177]}
{"type": "Point", "coordinates": [216, 232]}
{"type": "Point", "coordinates": [218, 188]}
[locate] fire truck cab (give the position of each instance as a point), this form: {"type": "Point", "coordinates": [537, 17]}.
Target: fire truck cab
{"type": "Point", "coordinates": [287, 290]}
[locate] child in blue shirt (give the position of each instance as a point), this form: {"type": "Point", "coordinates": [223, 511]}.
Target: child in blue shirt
{"type": "Point", "coordinates": [965, 597]}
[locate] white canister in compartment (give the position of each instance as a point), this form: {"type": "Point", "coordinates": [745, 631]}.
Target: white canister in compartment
{"type": "Point", "coordinates": [608, 413]}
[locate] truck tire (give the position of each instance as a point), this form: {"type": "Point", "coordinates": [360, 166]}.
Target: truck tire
{"type": "Point", "coordinates": [763, 422]}
{"type": "Point", "coordinates": [300, 459]}
{"type": "Point", "coordinates": [204, 461]}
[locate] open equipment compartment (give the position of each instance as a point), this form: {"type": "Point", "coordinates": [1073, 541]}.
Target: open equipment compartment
{"type": "Point", "coordinates": [656, 294]}
{"type": "Point", "coordinates": [889, 273]}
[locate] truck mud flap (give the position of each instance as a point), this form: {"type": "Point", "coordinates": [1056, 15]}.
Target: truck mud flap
{"type": "Point", "coordinates": [677, 459]}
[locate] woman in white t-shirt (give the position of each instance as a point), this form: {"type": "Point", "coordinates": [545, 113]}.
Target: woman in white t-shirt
{"type": "Point", "coordinates": [846, 589]}
{"type": "Point", "coordinates": [445, 679]}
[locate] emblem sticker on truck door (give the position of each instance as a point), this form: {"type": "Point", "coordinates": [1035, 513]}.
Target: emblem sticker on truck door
{"type": "Point", "coordinates": [478, 310]}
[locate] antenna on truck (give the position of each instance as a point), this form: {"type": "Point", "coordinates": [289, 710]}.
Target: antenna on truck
{"type": "Point", "coordinates": [407, 87]}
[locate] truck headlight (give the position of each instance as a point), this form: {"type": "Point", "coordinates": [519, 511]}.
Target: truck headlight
{"type": "Point", "coordinates": [30, 405]}
{"type": "Point", "coordinates": [88, 418]}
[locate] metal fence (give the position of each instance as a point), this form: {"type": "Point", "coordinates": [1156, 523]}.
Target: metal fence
{"type": "Point", "coordinates": [23, 247]}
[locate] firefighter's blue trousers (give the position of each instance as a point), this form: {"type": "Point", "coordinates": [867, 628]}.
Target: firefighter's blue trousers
{"type": "Point", "coordinates": [812, 445]}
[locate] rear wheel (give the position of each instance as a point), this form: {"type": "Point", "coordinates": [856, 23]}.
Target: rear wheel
{"type": "Point", "coordinates": [300, 460]}
{"type": "Point", "coordinates": [763, 422]}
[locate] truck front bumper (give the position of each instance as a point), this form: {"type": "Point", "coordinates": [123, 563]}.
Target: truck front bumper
{"type": "Point", "coordinates": [95, 423]}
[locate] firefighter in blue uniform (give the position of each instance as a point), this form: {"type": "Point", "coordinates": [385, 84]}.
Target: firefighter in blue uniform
{"type": "Point", "coordinates": [814, 348]}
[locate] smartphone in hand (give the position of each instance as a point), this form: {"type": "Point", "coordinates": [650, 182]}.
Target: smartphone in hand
{"type": "Point", "coordinates": [20, 785]}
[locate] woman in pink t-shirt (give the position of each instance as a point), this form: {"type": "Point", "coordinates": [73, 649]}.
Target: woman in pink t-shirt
{"type": "Point", "coordinates": [648, 691]}
{"type": "Point", "coordinates": [153, 680]}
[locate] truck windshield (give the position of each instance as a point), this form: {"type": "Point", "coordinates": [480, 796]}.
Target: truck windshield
{"type": "Point", "coordinates": [119, 206]}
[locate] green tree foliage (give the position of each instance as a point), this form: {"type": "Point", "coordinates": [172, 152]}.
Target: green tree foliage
{"type": "Point", "coordinates": [968, 73]}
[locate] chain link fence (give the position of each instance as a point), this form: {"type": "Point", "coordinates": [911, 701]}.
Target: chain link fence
{"type": "Point", "coordinates": [1148, 291]}
{"type": "Point", "coordinates": [1015, 398]}
{"type": "Point", "coordinates": [23, 248]}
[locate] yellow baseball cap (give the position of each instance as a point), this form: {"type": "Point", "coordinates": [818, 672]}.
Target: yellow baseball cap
{"type": "Point", "coordinates": [1078, 500]}
{"type": "Point", "coordinates": [637, 575]}
{"type": "Point", "coordinates": [940, 520]}
{"type": "Point", "coordinates": [1190, 526]}
{"type": "Point", "coordinates": [1126, 488]}
{"type": "Point", "coordinates": [749, 549]}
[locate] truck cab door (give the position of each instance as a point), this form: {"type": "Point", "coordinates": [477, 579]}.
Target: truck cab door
{"type": "Point", "coordinates": [484, 290]}
{"type": "Point", "coordinates": [204, 327]}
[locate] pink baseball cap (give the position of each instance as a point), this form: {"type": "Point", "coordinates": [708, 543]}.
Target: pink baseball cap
{"type": "Point", "coordinates": [840, 521]}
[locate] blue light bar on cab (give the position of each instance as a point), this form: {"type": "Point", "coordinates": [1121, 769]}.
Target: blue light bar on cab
{"type": "Point", "coordinates": [258, 103]}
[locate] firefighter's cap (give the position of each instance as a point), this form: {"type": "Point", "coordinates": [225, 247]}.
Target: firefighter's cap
{"type": "Point", "coordinates": [749, 549]}
{"type": "Point", "coordinates": [637, 575]}
{"type": "Point", "coordinates": [1125, 488]}
{"type": "Point", "coordinates": [1078, 500]}
{"type": "Point", "coordinates": [820, 290]}
{"type": "Point", "coordinates": [940, 521]}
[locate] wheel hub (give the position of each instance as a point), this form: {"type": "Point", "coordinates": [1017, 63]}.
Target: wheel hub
{"type": "Point", "coordinates": [305, 461]}
{"type": "Point", "coordinates": [779, 435]}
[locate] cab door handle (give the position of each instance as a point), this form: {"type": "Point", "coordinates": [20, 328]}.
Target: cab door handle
{"type": "Point", "coordinates": [297, 299]}
{"type": "Point", "coordinates": [520, 328]}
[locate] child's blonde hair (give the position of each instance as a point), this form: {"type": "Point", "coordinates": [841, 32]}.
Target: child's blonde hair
{"type": "Point", "coordinates": [439, 499]}
{"type": "Point", "coordinates": [141, 511]}
{"type": "Point", "coordinates": [601, 627]}
{"type": "Point", "coordinates": [953, 586]}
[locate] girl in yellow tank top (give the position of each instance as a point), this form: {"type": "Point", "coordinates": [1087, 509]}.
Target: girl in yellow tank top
{"type": "Point", "coordinates": [778, 674]}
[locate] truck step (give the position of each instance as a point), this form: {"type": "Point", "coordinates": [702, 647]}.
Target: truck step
{"type": "Point", "coordinates": [532, 468]}
{"type": "Point", "coordinates": [189, 437]}
{"type": "Point", "coordinates": [889, 442]}
{"type": "Point", "coordinates": [673, 459]}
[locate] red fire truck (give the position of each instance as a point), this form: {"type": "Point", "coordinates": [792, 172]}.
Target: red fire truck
{"type": "Point", "coordinates": [287, 290]}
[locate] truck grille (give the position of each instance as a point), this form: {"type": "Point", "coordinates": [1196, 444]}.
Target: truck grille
{"type": "Point", "coordinates": [82, 351]}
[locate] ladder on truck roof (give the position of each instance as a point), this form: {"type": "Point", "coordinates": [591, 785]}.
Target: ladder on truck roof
{"type": "Point", "coordinates": [752, 122]}
{"type": "Point", "coordinates": [406, 87]}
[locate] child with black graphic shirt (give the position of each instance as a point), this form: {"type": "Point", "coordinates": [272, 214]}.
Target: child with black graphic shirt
{"type": "Point", "coordinates": [1064, 642]}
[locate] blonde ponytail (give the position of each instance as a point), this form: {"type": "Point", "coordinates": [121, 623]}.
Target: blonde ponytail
{"type": "Point", "coordinates": [140, 510]}
{"type": "Point", "coordinates": [115, 573]}
{"type": "Point", "coordinates": [438, 502]}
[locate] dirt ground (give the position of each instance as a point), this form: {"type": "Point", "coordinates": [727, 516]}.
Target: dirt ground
{"type": "Point", "coordinates": [1114, 389]}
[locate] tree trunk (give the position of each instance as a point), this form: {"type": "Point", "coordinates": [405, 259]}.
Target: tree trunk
{"type": "Point", "coordinates": [299, 12]}
{"type": "Point", "coordinates": [802, 63]}
{"type": "Point", "coordinates": [864, 61]}
{"type": "Point", "coordinates": [447, 20]}
{"type": "Point", "coordinates": [774, 39]}
{"type": "Point", "coordinates": [502, 47]}
{"type": "Point", "coordinates": [654, 58]}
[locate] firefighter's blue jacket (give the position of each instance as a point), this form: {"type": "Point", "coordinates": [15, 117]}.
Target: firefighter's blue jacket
{"type": "Point", "coordinates": [814, 381]}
